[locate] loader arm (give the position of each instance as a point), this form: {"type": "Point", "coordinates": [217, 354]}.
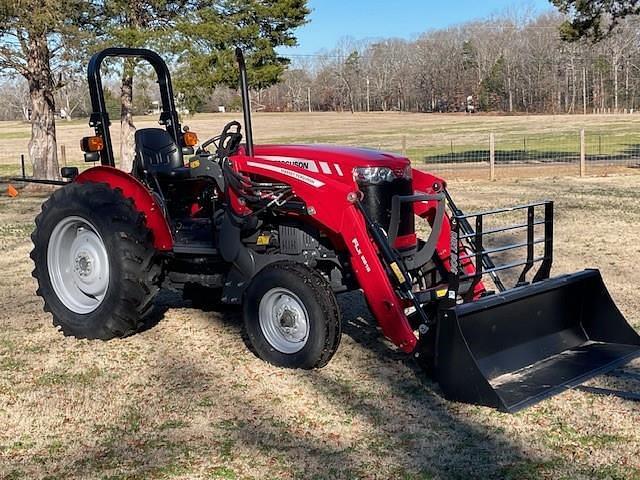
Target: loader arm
{"type": "Point", "coordinates": [331, 206]}
{"type": "Point", "coordinates": [424, 182]}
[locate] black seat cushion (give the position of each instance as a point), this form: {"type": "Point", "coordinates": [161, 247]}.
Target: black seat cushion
{"type": "Point", "coordinates": [159, 154]}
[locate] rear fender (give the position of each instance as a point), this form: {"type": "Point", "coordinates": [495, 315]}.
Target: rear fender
{"type": "Point", "coordinates": [332, 211]}
{"type": "Point", "coordinates": [141, 197]}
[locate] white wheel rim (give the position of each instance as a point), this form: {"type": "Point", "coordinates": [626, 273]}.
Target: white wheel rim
{"type": "Point", "coordinates": [284, 320]}
{"type": "Point", "coordinates": [78, 265]}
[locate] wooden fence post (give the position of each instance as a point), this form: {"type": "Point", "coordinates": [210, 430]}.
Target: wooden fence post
{"type": "Point", "coordinates": [492, 156]}
{"type": "Point", "coordinates": [63, 154]}
{"type": "Point", "coordinates": [583, 154]}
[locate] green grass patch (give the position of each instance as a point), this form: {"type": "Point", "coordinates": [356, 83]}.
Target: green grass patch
{"type": "Point", "coordinates": [613, 472]}
{"type": "Point", "coordinates": [19, 445]}
{"type": "Point", "coordinates": [529, 470]}
{"type": "Point", "coordinates": [8, 170]}
{"type": "Point", "coordinates": [55, 447]}
{"type": "Point", "coordinates": [206, 402]}
{"type": "Point", "coordinates": [173, 469]}
{"type": "Point", "coordinates": [529, 148]}
{"type": "Point", "coordinates": [173, 424]}
{"type": "Point", "coordinates": [85, 378]}
{"type": "Point", "coordinates": [223, 473]}
{"type": "Point", "coordinates": [16, 230]}
{"type": "Point", "coordinates": [14, 474]}
{"type": "Point", "coordinates": [566, 436]}
{"type": "Point", "coordinates": [403, 474]}
{"type": "Point", "coordinates": [14, 134]}
{"type": "Point", "coordinates": [7, 345]}
{"type": "Point", "coordinates": [226, 448]}
{"type": "Point", "coordinates": [11, 364]}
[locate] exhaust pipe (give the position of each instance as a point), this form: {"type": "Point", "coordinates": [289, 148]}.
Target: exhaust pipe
{"type": "Point", "coordinates": [246, 101]}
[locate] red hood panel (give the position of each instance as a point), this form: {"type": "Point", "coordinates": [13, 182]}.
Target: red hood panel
{"type": "Point", "coordinates": [346, 157]}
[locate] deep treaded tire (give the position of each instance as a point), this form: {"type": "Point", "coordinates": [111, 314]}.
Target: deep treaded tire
{"type": "Point", "coordinates": [291, 316]}
{"type": "Point", "coordinates": [110, 221]}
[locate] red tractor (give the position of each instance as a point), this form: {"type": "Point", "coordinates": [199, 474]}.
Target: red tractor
{"type": "Point", "coordinates": [282, 229]}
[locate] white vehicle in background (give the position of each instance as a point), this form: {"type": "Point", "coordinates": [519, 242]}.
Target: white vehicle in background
{"type": "Point", "coordinates": [470, 108]}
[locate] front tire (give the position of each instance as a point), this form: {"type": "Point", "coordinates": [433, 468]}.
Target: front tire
{"type": "Point", "coordinates": [291, 316]}
{"type": "Point", "coordinates": [94, 262]}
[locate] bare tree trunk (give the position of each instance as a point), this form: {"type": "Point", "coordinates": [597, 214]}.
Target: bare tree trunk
{"type": "Point", "coordinates": [573, 86]}
{"type": "Point", "coordinates": [626, 85]}
{"type": "Point", "coordinates": [127, 128]}
{"type": "Point", "coordinates": [42, 146]}
{"type": "Point", "coordinates": [615, 86]}
{"type": "Point", "coordinates": [510, 93]}
{"type": "Point", "coordinates": [584, 91]}
{"type": "Point", "coordinates": [602, 100]}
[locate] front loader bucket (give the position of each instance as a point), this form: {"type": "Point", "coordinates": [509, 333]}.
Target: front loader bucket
{"type": "Point", "coordinates": [516, 348]}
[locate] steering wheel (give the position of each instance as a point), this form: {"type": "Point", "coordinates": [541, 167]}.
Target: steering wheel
{"type": "Point", "coordinates": [228, 141]}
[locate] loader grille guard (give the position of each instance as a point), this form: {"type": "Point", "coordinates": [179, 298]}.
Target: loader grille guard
{"type": "Point", "coordinates": [468, 242]}
{"type": "Point", "coordinates": [517, 346]}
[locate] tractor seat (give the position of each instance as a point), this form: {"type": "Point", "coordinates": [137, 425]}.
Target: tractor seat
{"type": "Point", "coordinates": [159, 155]}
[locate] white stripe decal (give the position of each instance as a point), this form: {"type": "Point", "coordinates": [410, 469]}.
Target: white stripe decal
{"type": "Point", "coordinates": [290, 173]}
{"type": "Point", "coordinates": [325, 168]}
{"type": "Point", "coordinates": [296, 162]}
{"type": "Point", "coordinates": [338, 169]}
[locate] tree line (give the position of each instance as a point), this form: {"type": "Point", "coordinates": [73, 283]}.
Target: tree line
{"type": "Point", "coordinates": [504, 64]}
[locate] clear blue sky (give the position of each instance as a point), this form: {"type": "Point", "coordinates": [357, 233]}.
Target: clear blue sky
{"type": "Point", "coordinates": [332, 20]}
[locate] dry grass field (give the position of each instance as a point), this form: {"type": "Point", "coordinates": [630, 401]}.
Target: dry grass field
{"type": "Point", "coordinates": [186, 400]}
{"type": "Point", "coordinates": [447, 137]}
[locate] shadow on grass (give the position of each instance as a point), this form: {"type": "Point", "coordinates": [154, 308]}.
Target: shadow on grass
{"type": "Point", "coordinates": [406, 430]}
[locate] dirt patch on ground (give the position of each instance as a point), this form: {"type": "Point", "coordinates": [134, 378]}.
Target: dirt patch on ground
{"type": "Point", "coordinates": [186, 399]}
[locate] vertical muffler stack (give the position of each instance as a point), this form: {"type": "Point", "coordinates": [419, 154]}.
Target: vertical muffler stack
{"type": "Point", "coordinates": [513, 349]}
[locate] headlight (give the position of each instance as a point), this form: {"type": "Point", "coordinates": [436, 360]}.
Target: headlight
{"type": "Point", "coordinates": [377, 175]}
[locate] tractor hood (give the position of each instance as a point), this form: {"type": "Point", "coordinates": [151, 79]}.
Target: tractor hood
{"type": "Point", "coordinates": [322, 158]}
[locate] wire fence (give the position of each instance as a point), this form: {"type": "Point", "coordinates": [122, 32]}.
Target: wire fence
{"type": "Point", "coordinates": [15, 164]}
{"type": "Point", "coordinates": [470, 156]}
{"type": "Point", "coordinates": [506, 155]}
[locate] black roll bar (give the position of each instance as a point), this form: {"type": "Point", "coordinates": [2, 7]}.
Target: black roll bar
{"type": "Point", "coordinates": [99, 119]}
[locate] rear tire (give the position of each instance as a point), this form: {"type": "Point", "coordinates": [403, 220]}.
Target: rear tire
{"type": "Point", "coordinates": [94, 262]}
{"type": "Point", "coordinates": [291, 316]}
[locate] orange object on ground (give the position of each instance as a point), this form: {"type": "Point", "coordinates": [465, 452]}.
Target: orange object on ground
{"type": "Point", "coordinates": [11, 191]}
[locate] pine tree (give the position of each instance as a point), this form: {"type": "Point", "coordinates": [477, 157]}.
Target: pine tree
{"type": "Point", "coordinates": [207, 36]}
{"type": "Point", "coordinates": [202, 35]}
{"type": "Point", "coordinates": [594, 19]}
